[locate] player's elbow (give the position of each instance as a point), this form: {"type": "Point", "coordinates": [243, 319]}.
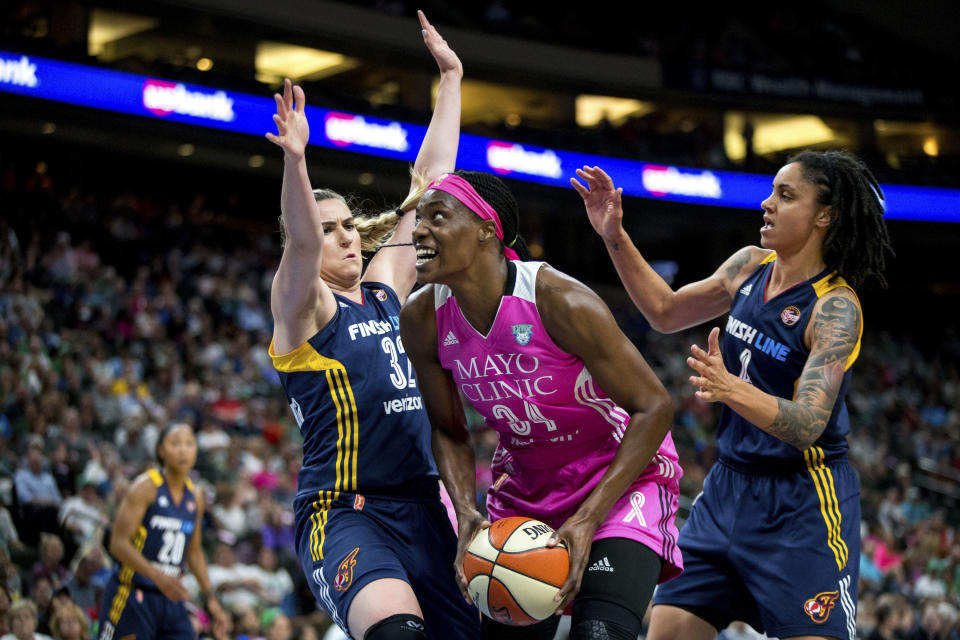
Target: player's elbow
{"type": "Point", "coordinates": [115, 545]}
{"type": "Point", "coordinates": [457, 433]}
{"type": "Point", "coordinates": [662, 410]}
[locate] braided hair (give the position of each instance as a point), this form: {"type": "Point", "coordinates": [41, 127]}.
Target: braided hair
{"type": "Point", "coordinates": [857, 242]}
{"type": "Point", "coordinates": [377, 229]}
{"type": "Point", "coordinates": [498, 195]}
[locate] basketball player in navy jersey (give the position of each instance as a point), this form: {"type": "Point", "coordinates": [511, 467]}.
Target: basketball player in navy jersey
{"type": "Point", "coordinates": [155, 534]}
{"type": "Point", "coordinates": [373, 537]}
{"type": "Point", "coordinates": [774, 538]}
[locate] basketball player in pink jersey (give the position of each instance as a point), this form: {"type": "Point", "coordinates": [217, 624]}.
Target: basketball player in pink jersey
{"type": "Point", "coordinates": [583, 421]}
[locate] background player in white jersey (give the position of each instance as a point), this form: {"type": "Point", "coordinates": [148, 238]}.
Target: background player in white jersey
{"type": "Point", "coordinates": [583, 421]}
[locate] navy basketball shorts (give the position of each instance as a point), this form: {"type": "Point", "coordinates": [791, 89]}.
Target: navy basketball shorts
{"type": "Point", "coordinates": [357, 539]}
{"type": "Point", "coordinates": [779, 552]}
{"type": "Point", "coordinates": [128, 611]}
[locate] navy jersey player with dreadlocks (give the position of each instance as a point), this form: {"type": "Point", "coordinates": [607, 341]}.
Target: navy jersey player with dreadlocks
{"type": "Point", "coordinates": [774, 538]}
{"type": "Point", "coordinates": [373, 537]}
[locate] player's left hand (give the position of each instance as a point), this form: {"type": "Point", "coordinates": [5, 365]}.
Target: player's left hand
{"type": "Point", "coordinates": [715, 383]}
{"type": "Point", "coordinates": [577, 534]}
{"type": "Point", "coordinates": [221, 626]}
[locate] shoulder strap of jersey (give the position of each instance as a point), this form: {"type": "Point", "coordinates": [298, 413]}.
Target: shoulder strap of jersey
{"type": "Point", "coordinates": [156, 476]}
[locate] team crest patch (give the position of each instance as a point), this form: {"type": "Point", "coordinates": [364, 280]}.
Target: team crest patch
{"type": "Point", "coordinates": [819, 606]}
{"type": "Point", "coordinates": [345, 571]}
{"type": "Point", "coordinates": [163, 502]}
{"type": "Point", "coordinates": [522, 333]}
{"type": "Point", "coordinates": [380, 294]}
{"type": "Point", "coordinates": [790, 316]}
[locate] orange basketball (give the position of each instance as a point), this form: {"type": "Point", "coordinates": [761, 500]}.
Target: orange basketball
{"type": "Point", "coordinates": [512, 575]}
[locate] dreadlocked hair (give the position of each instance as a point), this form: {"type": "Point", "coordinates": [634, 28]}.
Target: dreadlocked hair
{"type": "Point", "coordinates": [857, 242]}
{"type": "Point", "coordinates": [498, 195]}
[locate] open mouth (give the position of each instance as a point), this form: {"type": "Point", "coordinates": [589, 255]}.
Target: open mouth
{"type": "Point", "coordinates": [425, 255]}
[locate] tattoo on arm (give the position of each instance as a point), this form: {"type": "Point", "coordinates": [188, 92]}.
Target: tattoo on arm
{"type": "Point", "coordinates": [836, 327]}
{"type": "Point", "coordinates": [737, 263]}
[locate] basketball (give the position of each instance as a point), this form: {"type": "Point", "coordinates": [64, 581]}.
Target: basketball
{"type": "Point", "coordinates": [512, 575]}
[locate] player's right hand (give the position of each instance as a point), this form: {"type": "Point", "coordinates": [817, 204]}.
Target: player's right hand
{"type": "Point", "coordinates": [468, 528]}
{"type": "Point", "coordinates": [602, 200]}
{"type": "Point", "coordinates": [292, 126]}
{"type": "Point", "coordinates": [171, 587]}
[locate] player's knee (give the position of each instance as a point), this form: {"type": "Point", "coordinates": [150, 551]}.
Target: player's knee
{"type": "Point", "coordinates": [403, 626]}
{"type": "Point", "coordinates": [595, 619]}
{"type": "Point", "coordinates": [601, 630]}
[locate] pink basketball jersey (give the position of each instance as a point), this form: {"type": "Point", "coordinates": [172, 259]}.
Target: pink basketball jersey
{"type": "Point", "coordinates": [558, 429]}
{"type": "Point", "coordinates": [543, 401]}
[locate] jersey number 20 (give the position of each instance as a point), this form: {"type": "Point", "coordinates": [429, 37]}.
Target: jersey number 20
{"type": "Point", "coordinates": [174, 543]}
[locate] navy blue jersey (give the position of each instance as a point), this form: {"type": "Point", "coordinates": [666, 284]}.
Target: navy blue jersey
{"type": "Point", "coordinates": [354, 395]}
{"type": "Point", "coordinates": [764, 345]}
{"type": "Point", "coordinates": [164, 534]}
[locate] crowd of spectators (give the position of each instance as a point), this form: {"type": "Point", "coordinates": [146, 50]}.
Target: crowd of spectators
{"type": "Point", "coordinates": [121, 312]}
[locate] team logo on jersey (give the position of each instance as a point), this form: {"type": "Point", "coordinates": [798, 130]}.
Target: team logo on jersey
{"type": "Point", "coordinates": [139, 596]}
{"type": "Point", "coordinates": [451, 339]}
{"type": "Point", "coordinates": [358, 502]}
{"type": "Point", "coordinates": [191, 506]}
{"type": "Point", "coordinates": [163, 502]}
{"type": "Point", "coordinates": [522, 333]}
{"type": "Point", "coordinates": [345, 571]}
{"type": "Point", "coordinates": [819, 606]}
{"type": "Point", "coordinates": [746, 289]}
{"type": "Point", "coordinates": [380, 294]}
{"type": "Point", "coordinates": [500, 481]}
{"type": "Point", "coordinates": [790, 315]}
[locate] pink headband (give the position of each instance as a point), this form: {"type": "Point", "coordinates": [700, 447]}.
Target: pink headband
{"type": "Point", "coordinates": [465, 193]}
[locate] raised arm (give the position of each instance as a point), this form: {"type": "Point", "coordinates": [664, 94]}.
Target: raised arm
{"type": "Point", "coordinates": [299, 299]}
{"type": "Point", "coordinates": [395, 265]}
{"type": "Point", "coordinates": [665, 309]}
{"type": "Point", "coordinates": [580, 323]}
{"type": "Point", "coordinates": [834, 335]}
{"type": "Point", "coordinates": [452, 447]}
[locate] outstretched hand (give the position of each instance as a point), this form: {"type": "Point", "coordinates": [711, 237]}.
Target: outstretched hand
{"type": "Point", "coordinates": [446, 59]}
{"type": "Point", "coordinates": [602, 200]}
{"type": "Point", "coordinates": [715, 383]}
{"type": "Point", "coordinates": [292, 127]}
